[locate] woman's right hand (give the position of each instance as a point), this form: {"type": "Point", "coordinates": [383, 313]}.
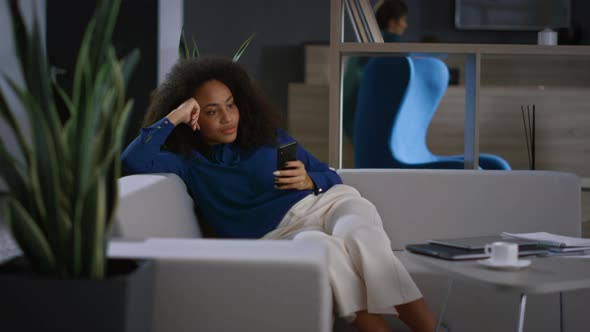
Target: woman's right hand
{"type": "Point", "coordinates": [187, 113]}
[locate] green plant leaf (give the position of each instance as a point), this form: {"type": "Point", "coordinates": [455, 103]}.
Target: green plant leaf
{"type": "Point", "coordinates": [106, 17]}
{"type": "Point", "coordinates": [64, 98]}
{"type": "Point", "coordinates": [98, 100]}
{"type": "Point", "coordinates": [11, 121]}
{"type": "Point", "coordinates": [195, 53]}
{"type": "Point", "coordinates": [109, 88]}
{"type": "Point", "coordinates": [243, 48]}
{"type": "Point", "coordinates": [29, 237]}
{"type": "Point", "coordinates": [45, 179]}
{"type": "Point", "coordinates": [82, 67]}
{"type": "Point", "coordinates": [118, 82]}
{"type": "Point", "coordinates": [183, 52]}
{"type": "Point", "coordinates": [49, 141]}
{"type": "Point", "coordinates": [113, 166]}
{"type": "Point", "coordinates": [19, 32]}
{"type": "Point", "coordinates": [13, 173]}
{"type": "Point", "coordinates": [92, 233]}
{"type": "Point", "coordinates": [37, 75]}
{"type": "Point", "coordinates": [38, 208]}
{"type": "Point", "coordinates": [128, 64]}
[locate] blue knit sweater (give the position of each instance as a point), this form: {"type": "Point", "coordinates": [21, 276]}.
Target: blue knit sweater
{"type": "Point", "coordinates": [232, 189]}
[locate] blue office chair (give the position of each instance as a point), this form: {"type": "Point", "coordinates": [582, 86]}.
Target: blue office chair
{"type": "Point", "coordinates": [396, 102]}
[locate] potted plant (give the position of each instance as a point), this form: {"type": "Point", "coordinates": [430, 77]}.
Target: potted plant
{"type": "Point", "coordinates": [184, 51]}
{"type": "Point", "coordinates": [63, 191]}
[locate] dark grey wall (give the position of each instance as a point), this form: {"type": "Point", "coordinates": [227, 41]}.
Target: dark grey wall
{"type": "Point", "coordinates": [276, 55]}
{"type": "Point", "coordinates": [132, 31]}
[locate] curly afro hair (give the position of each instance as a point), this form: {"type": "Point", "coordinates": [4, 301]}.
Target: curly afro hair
{"type": "Point", "coordinates": [258, 118]}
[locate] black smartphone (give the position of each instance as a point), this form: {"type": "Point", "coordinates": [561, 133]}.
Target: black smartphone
{"type": "Point", "coordinates": [286, 152]}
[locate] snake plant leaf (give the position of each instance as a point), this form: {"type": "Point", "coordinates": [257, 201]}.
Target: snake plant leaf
{"type": "Point", "coordinates": [19, 31]}
{"type": "Point", "coordinates": [37, 75]}
{"type": "Point", "coordinates": [113, 172]}
{"type": "Point", "coordinates": [68, 103]}
{"type": "Point", "coordinates": [84, 157]}
{"type": "Point", "coordinates": [29, 237]}
{"type": "Point", "coordinates": [129, 63]}
{"type": "Point", "coordinates": [81, 68]}
{"type": "Point", "coordinates": [113, 131]}
{"type": "Point", "coordinates": [113, 168]}
{"type": "Point", "coordinates": [40, 87]}
{"type": "Point", "coordinates": [14, 173]}
{"type": "Point", "coordinates": [47, 135]}
{"type": "Point", "coordinates": [85, 130]}
{"type": "Point", "coordinates": [243, 48]}
{"type": "Point", "coordinates": [92, 233]}
{"type": "Point", "coordinates": [100, 99]}
{"type": "Point", "coordinates": [49, 176]}
{"type": "Point", "coordinates": [39, 211]}
{"type": "Point", "coordinates": [195, 53]}
{"type": "Point", "coordinates": [106, 17]}
{"type": "Point", "coordinates": [45, 184]}
{"type": "Point", "coordinates": [11, 121]}
{"type": "Point", "coordinates": [183, 51]}
{"type": "Point", "coordinates": [118, 81]}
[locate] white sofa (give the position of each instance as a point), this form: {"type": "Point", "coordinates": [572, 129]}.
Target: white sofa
{"type": "Point", "coordinates": [255, 285]}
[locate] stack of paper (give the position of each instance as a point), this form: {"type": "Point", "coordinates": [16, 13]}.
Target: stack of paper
{"type": "Point", "coordinates": [555, 243]}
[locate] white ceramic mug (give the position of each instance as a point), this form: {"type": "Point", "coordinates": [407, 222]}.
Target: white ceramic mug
{"type": "Point", "coordinates": [503, 253]}
{"type": "Point", "coordinates": [547, 37]}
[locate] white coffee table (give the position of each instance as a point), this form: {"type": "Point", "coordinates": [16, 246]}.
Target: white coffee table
{"type": "Point", "coordinates": [544, 275]}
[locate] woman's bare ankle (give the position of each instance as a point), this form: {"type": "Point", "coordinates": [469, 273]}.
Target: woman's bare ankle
{"type": "Point", "coordinates": [417, 316]}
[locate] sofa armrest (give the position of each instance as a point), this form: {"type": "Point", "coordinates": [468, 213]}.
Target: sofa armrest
{"type": "Point", "coordinates": [235, 285]}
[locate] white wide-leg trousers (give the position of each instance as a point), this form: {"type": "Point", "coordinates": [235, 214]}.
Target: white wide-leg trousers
{"type": "Point", "coordinates": [364, 273]}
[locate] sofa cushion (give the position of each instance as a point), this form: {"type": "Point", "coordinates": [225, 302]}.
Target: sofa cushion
{"type": "Point", "coordinates": [418, 205]}
{"type": "Point", "coordinates": [155, 205]}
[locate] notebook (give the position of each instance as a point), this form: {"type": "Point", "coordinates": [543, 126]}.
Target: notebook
{"type": "Point", "coordinates": [553, 240]}
{"type": "Point", "coordinates": [479, 242]}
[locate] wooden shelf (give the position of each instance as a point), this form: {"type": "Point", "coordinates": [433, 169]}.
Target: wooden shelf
{"type": "Point", "coordinates": [509, 49]}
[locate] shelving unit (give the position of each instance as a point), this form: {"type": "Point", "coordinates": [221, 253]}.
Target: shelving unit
{"type": "Point", "coordinates": [473, 53]}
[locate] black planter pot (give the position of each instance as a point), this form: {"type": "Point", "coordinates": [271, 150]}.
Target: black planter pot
{"type": "Point", "coordinates": [122, 302]}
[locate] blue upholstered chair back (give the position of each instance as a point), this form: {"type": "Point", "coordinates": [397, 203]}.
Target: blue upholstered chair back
{"type": "Point", "coordinates": [396, 102]}
{"type": "Point", "coordinates": [427, 84]}
{"type": "Point", "coordinates": [379, 97]}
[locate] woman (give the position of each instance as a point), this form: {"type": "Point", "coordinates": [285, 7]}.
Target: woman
{"type": "Point", "coordinates": [209, 125]}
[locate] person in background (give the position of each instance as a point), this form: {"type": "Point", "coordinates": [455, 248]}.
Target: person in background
{"type": "Point", "coordinates": [208, 124]}
{"type": "Point", "coordinates": [391, 18]}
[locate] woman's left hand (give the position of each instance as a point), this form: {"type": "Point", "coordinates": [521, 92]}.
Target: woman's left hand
{"type": "Point", "coordinates": [294, 176]}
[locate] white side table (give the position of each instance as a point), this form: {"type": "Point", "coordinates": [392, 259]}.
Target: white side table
{"type": "Point", "coordinates": [545, 275]}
